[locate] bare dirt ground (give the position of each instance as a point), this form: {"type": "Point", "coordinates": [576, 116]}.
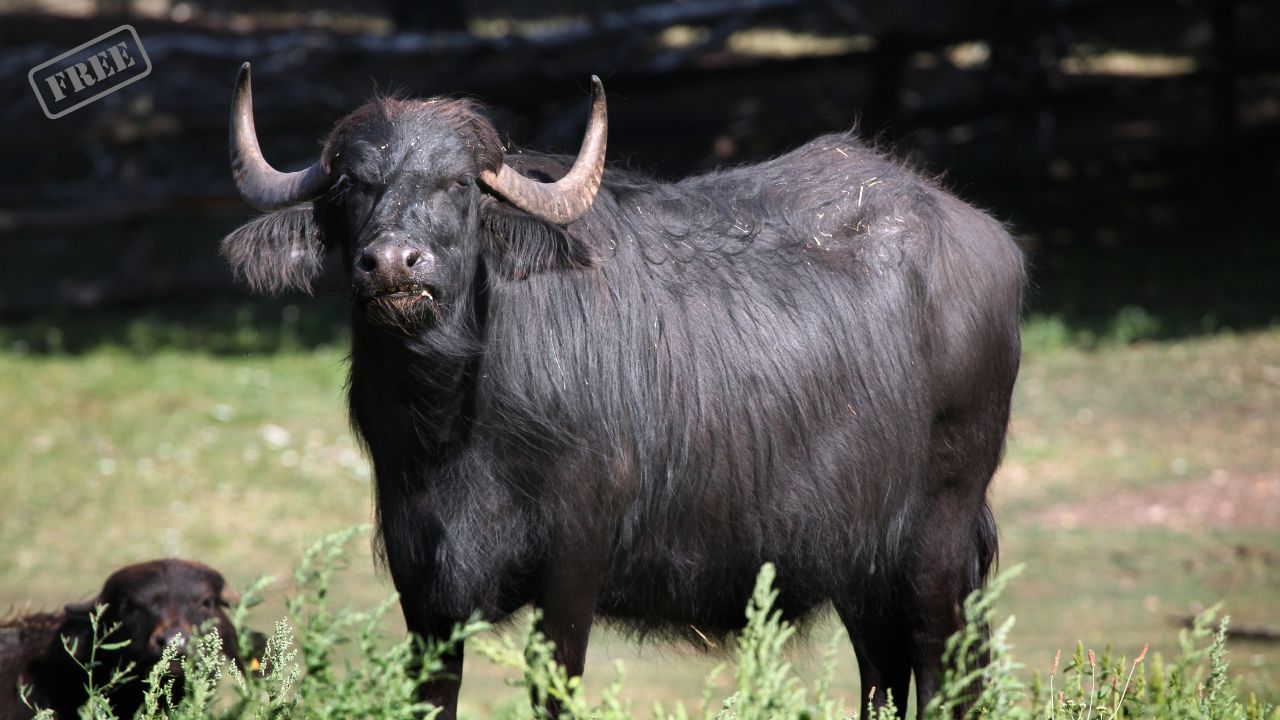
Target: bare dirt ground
{"type": "Point", "coordinates": [1224, 499]}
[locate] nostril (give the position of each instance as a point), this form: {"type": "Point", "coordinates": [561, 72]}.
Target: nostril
{"type": "Point", "coordinates": [162, 639]}
{"type": "Point", "coordinates": [368, 262]}
{"type": "Point", "coordinates": [411, 258]}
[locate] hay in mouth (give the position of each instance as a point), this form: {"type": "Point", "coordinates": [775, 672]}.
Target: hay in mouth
{"type": "Point", "coordinates": [404, 307]}
{"type": "Point", "coordinates": [409, 290]}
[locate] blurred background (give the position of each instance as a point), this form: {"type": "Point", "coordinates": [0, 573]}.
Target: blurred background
{"type": "Point", "coordinates": [154, 408]}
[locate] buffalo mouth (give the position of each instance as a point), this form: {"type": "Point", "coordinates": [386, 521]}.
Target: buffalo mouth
{"type": "Point", "coordinates": [403, 307]}
{"type": "Point", "coordinates": [406, 291]}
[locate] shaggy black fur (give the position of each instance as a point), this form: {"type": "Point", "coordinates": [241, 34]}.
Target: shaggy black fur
{"type": "Point", "coordinates": [152, 602]}
{"type": "Point", "coordinates": [807, 362]}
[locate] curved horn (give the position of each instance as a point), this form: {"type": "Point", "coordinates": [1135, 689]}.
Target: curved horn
{"type": "Point", "coordinates": [569, 198]}
{"type": "Point", "coordinates": [261, 185]}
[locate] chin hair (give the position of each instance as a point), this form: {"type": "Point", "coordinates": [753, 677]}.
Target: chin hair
{"type": "Point", "coordinates": [407, 314]}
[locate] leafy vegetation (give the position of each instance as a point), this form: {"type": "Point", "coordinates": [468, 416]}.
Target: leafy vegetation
{"type": "Point", "coordinates": [301, 674]}
{"type": "Point", "coordinates": [230, 439]}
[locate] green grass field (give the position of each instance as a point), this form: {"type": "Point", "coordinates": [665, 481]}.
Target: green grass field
{"type": "Point", "coordinates": [1141, 482]}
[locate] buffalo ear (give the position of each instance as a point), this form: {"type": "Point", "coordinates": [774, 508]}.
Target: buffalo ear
{"type": "Point", "coordinates": [228, 597]}
{"type": "Point", "coordinates": [75, 623]}
{"type": "Point", "coordinates": [519, 244]}
{"type": "Point", "coordinates": [83, 608]}
{"type": "Point", "coordinates": [76, 615]}
{"type": "Point", "coordinates": [281, 251]}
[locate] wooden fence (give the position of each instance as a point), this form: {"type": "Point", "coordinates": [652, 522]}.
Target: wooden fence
{"type": "Point", "coordinates": [1078, 116]}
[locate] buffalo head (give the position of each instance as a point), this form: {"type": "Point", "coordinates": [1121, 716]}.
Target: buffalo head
{"type": "Point", "coordinates": [153, 604]}
{"type": "Point", "coordinates": [413, 194]}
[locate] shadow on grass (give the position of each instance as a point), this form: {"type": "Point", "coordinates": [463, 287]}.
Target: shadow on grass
{"type": "Point", "coordinates": [222, 326]}
{"type": "Point", "coordinates": [1090, 296]}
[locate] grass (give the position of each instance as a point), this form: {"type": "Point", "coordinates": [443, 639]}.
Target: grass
{"type": "Point", "coordinates": [220, 434]}
{"type": "Point", "coordinates": [1136, 416]}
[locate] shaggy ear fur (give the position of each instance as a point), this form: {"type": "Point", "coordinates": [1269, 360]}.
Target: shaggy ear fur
{"type": "Point", "coordinates": [519, 244]}
{"type": "Point", "coordinates": [281, 251]}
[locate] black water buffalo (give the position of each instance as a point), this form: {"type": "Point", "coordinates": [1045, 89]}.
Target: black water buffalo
{"type": "Point", "coordinates": [605, 395]}
{"type": "Point", "coordinates": [153, 603]}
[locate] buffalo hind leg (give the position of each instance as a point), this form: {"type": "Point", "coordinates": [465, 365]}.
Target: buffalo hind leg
{"type": "Point", "coordinates": [955, 540]}
{"type": "Point", "coordinates": [951, 561]}
{"type": "Point", "coordinates": [882, 644]}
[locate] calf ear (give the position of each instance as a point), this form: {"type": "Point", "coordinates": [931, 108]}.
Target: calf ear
{"type": "Point", "coordinates": [281, 251]}
{"type": "Point", "coordinates": [81, 610]}
{"type": "Point", "coordinates": [519, 244]}
{"type": "Point", "coordinates": [75, 628]}
{"type": "Point", "coordinates": [228, 597]}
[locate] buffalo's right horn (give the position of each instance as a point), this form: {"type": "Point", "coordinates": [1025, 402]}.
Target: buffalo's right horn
{"type": "Point", "coordinates": [261, 185]}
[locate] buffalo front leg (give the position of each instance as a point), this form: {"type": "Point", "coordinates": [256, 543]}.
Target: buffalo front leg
{"type": "Point", "coordinates": [567, 603]}
{"type": "Point", "coordinates": [882, 642]}
{"type": "Point", "coordinates": [441, 689]}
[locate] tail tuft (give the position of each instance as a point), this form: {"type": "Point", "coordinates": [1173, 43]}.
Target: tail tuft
{"type": "Point", "coordinates": [987, 544]}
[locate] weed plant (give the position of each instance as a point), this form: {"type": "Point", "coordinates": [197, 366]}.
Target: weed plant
{"type": "Point", "coordinates": [342, 663]}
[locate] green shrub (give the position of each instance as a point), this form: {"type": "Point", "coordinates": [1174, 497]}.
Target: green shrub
{"type": "Point", "coordinates": [1133, 323]}
{"type": "Point", "coordinates": [301, 674]}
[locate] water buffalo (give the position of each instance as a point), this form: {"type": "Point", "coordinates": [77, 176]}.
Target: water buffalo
{"type": "Point", "coordinates": [154, 603]}
{"type": "Point", "coordinates": [610, 396]}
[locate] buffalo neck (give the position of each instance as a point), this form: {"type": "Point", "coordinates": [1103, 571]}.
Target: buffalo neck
{"type": "Point", "coordinates": [418, 386]}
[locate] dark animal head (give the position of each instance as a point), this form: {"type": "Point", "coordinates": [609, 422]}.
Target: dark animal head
{"type": "Point", "coordinates": [159, 602]}
{"type": "Point", "coordinates": [414, 193]}
{"type": "Point", "coordinates": [150, 604]}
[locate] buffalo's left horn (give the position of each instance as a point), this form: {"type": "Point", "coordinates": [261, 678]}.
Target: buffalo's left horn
{"type": "Point", "coordinates": [569, 198]}
{"type": "Point", "coordinates": [261, 185]}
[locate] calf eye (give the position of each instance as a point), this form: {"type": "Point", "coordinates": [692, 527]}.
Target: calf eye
{"type": "Point", "coordinates": [210, 603]}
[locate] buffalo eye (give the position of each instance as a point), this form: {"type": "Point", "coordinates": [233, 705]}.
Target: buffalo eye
{"type": "Point", "coordinates": [453, 184]}
{"type": "Point", "coordinates": [347, 184]}
{"type": "Point", "coordinates": [210, 603]}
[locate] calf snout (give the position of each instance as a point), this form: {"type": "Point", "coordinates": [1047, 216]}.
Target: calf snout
{"type": "Point", "coordinates": [162, 636]}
